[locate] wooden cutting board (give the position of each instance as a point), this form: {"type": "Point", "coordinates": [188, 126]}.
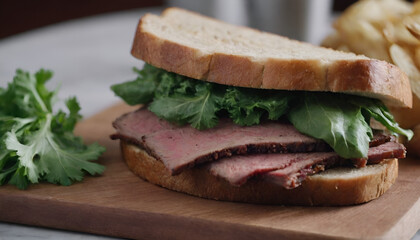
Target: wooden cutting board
{"type": "Point", "coordinates": [120, 204]}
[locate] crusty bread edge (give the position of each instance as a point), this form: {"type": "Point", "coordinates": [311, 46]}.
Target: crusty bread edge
{"type": "Point", "coordinates": [315, 191]}
{"type": "Point", "coordinates": [366, 77]}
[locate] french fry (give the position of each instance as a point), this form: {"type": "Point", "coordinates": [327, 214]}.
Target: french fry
{"type": "Point", "coordinates": [375, 12]}
{"type": "Point", "coordinates": [413, 26]}
{"type": "Point", "coordinates": [399, 33]}
{"type": "Point", "coordinates": [373, 45]}
{"type": "Point", "coordinates": [403, 60]}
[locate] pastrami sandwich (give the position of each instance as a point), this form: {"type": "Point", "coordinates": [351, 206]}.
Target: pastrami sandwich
{"type": "Point", "coordinates": [232, 113]}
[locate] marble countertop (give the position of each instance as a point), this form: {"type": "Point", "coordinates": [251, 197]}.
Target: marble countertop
{"type": "Point", "coordinates": [87, 56]}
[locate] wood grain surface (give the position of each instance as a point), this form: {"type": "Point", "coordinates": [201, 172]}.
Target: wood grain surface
{"type": "Point", "coordinates": [120, 204]}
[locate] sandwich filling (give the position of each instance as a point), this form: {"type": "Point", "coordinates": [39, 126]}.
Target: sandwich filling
{"type": "Point", "coordinates": [237, 153]}
{"type": "Point", "coordinates": [239, 133]}
{"type": "Point", "coordinates": [340, 120]}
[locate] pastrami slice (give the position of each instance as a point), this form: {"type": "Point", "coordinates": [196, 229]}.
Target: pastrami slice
{"type": "Point", "coordinates": [290, 169]}
{"type": "Point", "coordinates": [133, 126]}
{"type": "Point", "coordinates": [184, 147]}
{"type": "Point", "coordinates": [385, 151]}
{"type": "Point", "coordinates": [237, 170]}
{"type": "Point", "coordinates": [293, 176]}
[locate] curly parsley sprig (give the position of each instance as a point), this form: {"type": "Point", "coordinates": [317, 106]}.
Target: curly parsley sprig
{"type": "Point", "coordinates": [37, 144]}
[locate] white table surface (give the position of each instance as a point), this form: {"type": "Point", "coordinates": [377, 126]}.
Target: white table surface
{"type": "Point", "coordinates": [87, 56]}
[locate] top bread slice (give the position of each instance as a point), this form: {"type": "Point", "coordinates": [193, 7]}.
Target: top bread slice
{"type": "Point", "coordinates": [203, 48]}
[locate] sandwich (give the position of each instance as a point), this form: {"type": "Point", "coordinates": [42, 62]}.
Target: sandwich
{"type": "Point", "coordinates": [235, 114]}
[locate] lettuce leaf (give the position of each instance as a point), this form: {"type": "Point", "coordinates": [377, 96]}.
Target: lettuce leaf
{"type": "Point", "coordinates": [329, 117]}
{"type": "Point", "coordinates": [247, 106]}
{"type": "Point", "coordinates": [198, 107]}
{"type": "Point", "coordinates": [142, 89]}
{"type": "Point", "coordinates": [377, 110]}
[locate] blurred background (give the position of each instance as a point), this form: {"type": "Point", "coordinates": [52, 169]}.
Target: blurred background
{"type": "Point", "coordinates": [306, 20]}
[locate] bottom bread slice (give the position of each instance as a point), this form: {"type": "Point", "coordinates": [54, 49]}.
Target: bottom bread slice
{"type": "Point", "coordinates": [333, 187]}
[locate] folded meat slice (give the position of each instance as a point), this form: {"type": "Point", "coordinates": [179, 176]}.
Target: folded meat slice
{"type": "Point", "coordinates": [184, 147]}
{"type": "Point", "coordinates": [289, 170]}
{"type": "Point", "coordinates": [134, 125]}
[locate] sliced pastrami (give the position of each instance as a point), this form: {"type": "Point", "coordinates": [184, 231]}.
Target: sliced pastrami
{"type": "Point", "coordinates": [293, 176]}
{"type": "Point", "coordinates": [134, 125]}
{"type": "Point", "coordinates": [379, 137]}
{"type": "Point", "coordinates": [237, 170]}
{"type": "Point", "coordinates": [289, 170]}
{"type": "Point", "coordinates": [385, 151]}
{"type": "Point", "coordinates": [183, 147]}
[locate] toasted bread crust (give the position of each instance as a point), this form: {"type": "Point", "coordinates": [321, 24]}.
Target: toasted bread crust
{"type": "Point", "coordinates": [321, 189]}
{"type": "Point", "coordinates": [355, 75]}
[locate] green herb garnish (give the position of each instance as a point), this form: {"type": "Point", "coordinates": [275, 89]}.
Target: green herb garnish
{"type": "Point", "coordinates": [37, 144]}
